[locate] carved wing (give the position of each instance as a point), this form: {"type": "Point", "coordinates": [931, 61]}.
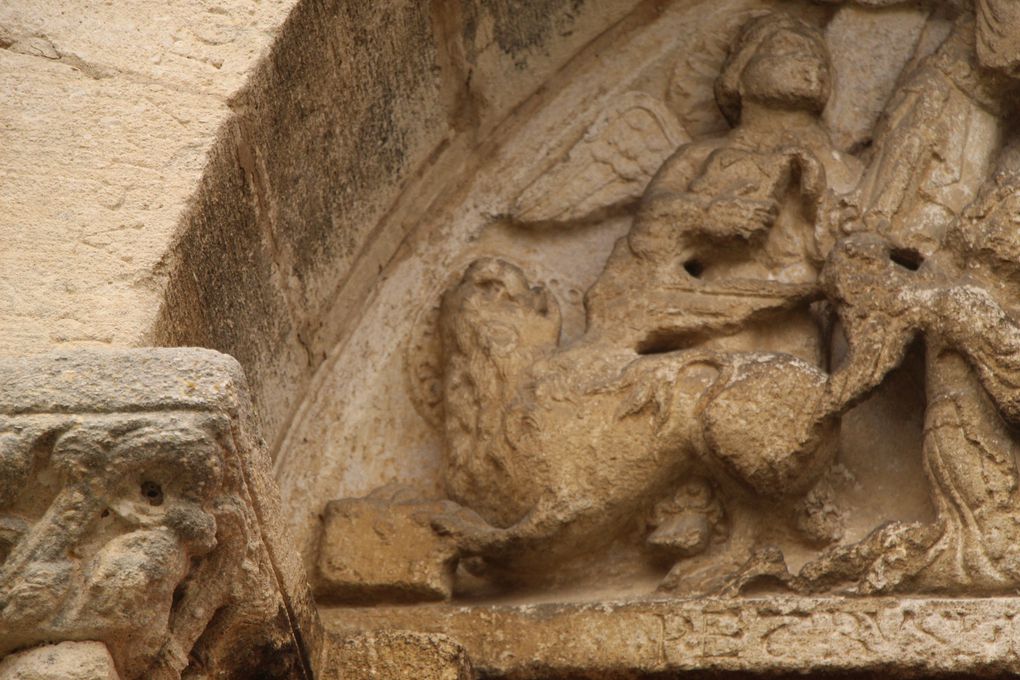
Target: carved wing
{"type": "Point", "coordinates": [609, 166]}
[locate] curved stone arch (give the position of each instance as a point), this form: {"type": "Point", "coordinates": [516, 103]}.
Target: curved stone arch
{"type": "Point", "coordinates": [346, 141]}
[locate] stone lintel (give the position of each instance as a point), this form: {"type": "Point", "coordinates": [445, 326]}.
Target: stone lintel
{"type": "Point", "coordinates": [779, 634]}
{"type": "Point", "coordinates": [395, 655]}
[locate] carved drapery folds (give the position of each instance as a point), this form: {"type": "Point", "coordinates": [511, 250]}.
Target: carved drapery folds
{"type": "Point", "coordinates": [133, 500]}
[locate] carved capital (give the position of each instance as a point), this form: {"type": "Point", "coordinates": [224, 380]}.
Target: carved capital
{"type": "Point", "coordinates": [135, 510]}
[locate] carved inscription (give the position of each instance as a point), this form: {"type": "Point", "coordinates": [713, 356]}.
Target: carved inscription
{"type": "Point", "coordinates": [774, 634]}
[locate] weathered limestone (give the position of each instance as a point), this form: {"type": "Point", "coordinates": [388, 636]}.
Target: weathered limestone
{"type": "Point", "coordinates": [754, 636]}
{"type": "Point", "coordinates": [143, 142]}
{"type": "Point", "coordinates": [395, 655]}
{"type": "Point", "coordinates": [865, 44]}
{"type": "Point", "coordinates": [109, 111]}
{"type": "Point", "coordinates": [63, 661]}
{"type": "Point", "coordinates": [382, 550]}
{"type": "Point", "coordinates": [638, 337]}
{"type": "Point", "coordinates": [685, 435]}
{"type": "Point", "coordinates": [136, 511]}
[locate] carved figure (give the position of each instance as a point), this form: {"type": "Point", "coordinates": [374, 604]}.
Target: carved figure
{"type": "Point", "coordinates": [962, 301]}
{"type": "Point", "coordinates": [995, 39]}
{"type": "Point", "coordinates": [922, 265]}
{"type": "Point", "coordinates": [767, 284]}
{"type": "Point", "coordinates": [735, 228]}
{"type": "Point", "coordinates": [936, 143]}
{"type": "Point", "coordinates": [555, 450]}
{"type": "Point", "coordinates": [137, 491]}
{"type": "Point", "coordinates": [608, 168]}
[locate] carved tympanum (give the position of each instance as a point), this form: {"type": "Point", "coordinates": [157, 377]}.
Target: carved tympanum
{"type": "Point", "coordinates": [768, 284]}
{"type": "Point", "coordinates": [703, 362]}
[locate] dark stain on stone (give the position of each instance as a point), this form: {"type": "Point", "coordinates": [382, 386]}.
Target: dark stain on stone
{"type": "Point", "coordinates": [337, 121]}
{"type": "Point", "coordinates": [219, 290]}
{"type": "Point", "coordinates": [520, 27]}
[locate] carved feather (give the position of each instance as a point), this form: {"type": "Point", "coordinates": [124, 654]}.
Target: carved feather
{"type": "Point", "coordinates": [609, 166]}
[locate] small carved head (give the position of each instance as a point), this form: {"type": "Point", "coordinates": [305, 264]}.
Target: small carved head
{"type": "Point", "coordinates": [496, 311]}
{"type": "Point", "coordinates": [777, 60]}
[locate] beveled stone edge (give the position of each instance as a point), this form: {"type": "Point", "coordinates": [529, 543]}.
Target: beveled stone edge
{"type": "Point", "coordinates": [120, 381]}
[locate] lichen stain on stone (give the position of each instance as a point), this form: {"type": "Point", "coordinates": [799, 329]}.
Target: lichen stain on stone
{"type": "Point", "coordinates": [351, 113]}
{"type": "Point", "coordinates": [519, 28]}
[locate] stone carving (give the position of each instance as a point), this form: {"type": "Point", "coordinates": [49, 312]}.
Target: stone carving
{"type": "Point", "coordinates": [768, 284]}
{"type": "Point", "coordinates": [993, 30]}
{"type": "Point", "coordinates": [781, 267]}
{"type": "Point", "coordinates": [103, 531]}
{"type": "Point", "coordinates": [682, 377]}
{"type": "Point", "coordinates": [608, 167]}
{"type": "Point", "coordinates": [755, 636]}
{"type": "Point", "coordinates": [961, 302]}
{"type": "Point", "coordinates": [922, 265]}
{"type": "Point", "coordinates": [129, 515]}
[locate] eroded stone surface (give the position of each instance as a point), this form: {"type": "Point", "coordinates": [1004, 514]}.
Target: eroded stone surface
{"type": "Point", "coordinates": [765, 287]}
{"type": "Point", "coordinates": [378, 549]}
{"type": "Point", "coordinates": [108, 113]}
{"type": "Point", "coordinates": [559, 449]}
{"type": "Point", "coordinates": [915, 637]}
{"type": "Point", "coordinates": [869, 50]}
{"type": "Point", "coordinates": [687, 431]}
{"type": "Point", "coordinates": [63, 661]}
{"type": "Point", "coordinates": [135, 511]}
{"type": "Point", "coordinates": [795, 370]}
{"type": "Point", "coordinates": [395, 655]}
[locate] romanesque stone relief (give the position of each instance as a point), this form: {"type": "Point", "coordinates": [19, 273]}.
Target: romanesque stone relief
{"type": "Point", "coordinates": [770, 282]}
{"type": "Point", "coordinates": [129, 519]}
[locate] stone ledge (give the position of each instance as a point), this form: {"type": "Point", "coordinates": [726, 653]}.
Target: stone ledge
{"type": "Point", "coordinates": [780, 634]}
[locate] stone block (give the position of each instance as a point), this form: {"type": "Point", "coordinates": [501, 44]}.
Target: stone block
{"type": "Point", "coordinates": [64, 661]}
{"type": "Point", "coordinates": [738, 637]}
{"type": "Point", "coordinates": [374, 551]}
{"type": "Point", "coordinates": [396, 655]}
{"type": "Point", "coordinates": [90, 165]}
{"type": "Point", "coordinates": [109, 112]}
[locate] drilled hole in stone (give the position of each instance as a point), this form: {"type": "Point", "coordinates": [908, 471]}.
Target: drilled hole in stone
{"type": "Point", "coordinates": [695, 268]}
{"type": "Point", "coordinates": [907, 258]}
{"type": "Point", "coordinates": [662, 342]}
{"type": "Point", "coordinates": [153, 493]}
